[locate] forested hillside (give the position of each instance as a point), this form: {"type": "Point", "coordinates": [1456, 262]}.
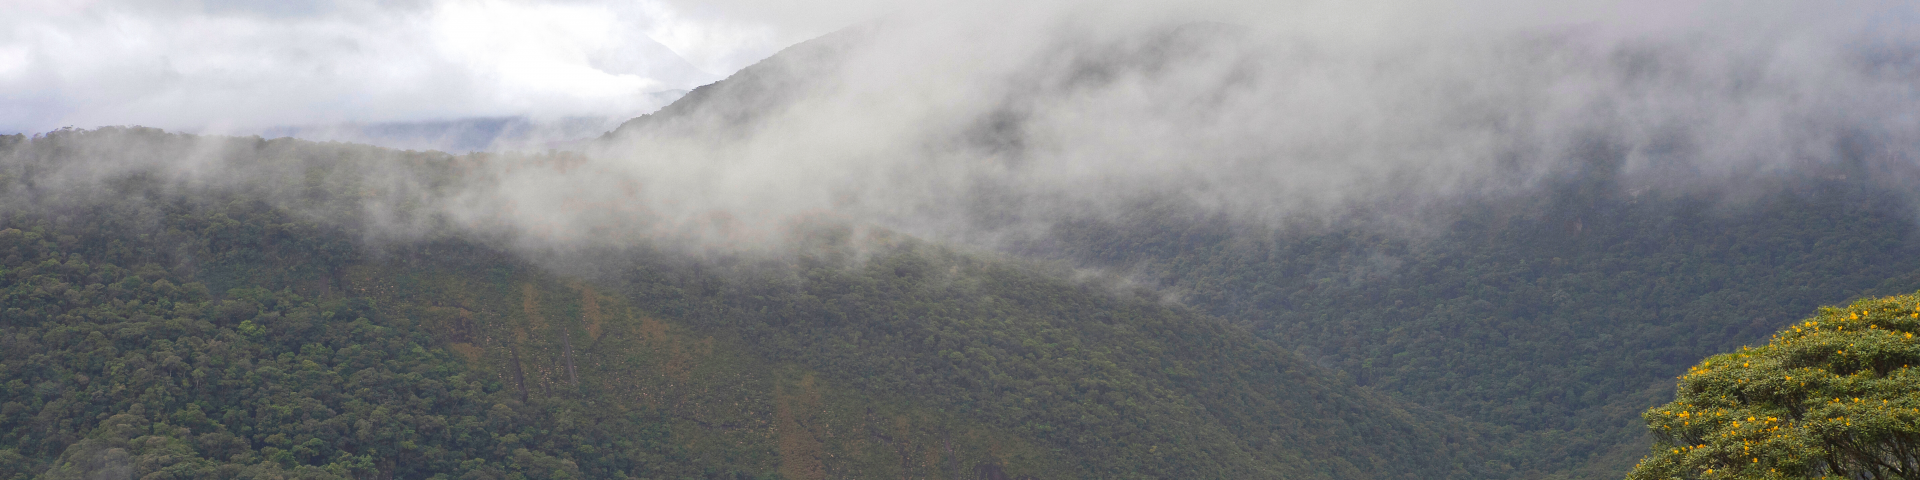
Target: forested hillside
{"type": "Point", "coordinates": [1183, 251]}
{"type": "Point", "coordinates": [263, 324]}
{"type": "Point", "coordinates": [1560, 315]}
{"type": "Point", "coordinates": [1551, 315]}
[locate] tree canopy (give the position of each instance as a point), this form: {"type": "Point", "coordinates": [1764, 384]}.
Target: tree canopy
{"type": "Point", "coordinates": [1833, 396]}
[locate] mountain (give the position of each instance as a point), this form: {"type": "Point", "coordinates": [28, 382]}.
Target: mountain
{"type": "Point", "coordinates": [268, 321]}
{"type": "Point", "coordinates": [1549, 315]}
{"type": "Point", "coordinates": [465, 135]}
{"type": "Point", "coordinates": [1184, 251]}
{"type": "Point", "coordinates": [456, 136]}
{"type": "Point", "coordinates": [1561, 318]}
{"type": "Point", "coordinates": [735, 103]}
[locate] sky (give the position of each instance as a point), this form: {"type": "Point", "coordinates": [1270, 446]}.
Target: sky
{"type": "Point", "coordinates": [235, 65]}
{"type": "Point", "coordinates": [243, 66]}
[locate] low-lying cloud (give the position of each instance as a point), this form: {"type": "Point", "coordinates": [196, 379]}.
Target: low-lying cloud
{"type": "Point", "coordinates": [968, 122]}
{"type": "Point", "coordinates": [959, 121]}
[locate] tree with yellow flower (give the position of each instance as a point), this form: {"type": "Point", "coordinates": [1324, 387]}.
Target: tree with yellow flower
{"type": "Point", "coordinates": [1834, 396]}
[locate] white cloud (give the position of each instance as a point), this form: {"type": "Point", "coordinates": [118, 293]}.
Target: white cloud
{"type": "Point", "coordinates": [958, 119]}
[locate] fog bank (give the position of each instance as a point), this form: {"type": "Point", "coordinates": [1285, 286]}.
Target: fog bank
{"type": "Point", "coordinates": [968, 122]}
{"type": "Point", "coordinates": [973, 122]}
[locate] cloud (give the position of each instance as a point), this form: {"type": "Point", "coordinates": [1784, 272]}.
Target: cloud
{"type": "Point", "coordinates": [220, 65]}
{"type": "Point", "coordinates": [959, 121]}
{"type": "Point", "coordinates": [987, 119]}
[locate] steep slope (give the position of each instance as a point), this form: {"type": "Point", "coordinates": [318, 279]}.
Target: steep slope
{"type": "Point", "coordinates": [282, 318]}
{"type": "Point", "coordinates": [733, 106]}
{"type": "Point", "coordinates": [1556, 311]}
{"type": "Point", "coordinates": [1564, 321]}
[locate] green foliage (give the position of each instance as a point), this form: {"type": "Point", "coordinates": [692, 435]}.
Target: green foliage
{"type": "Point", "coordinates": [1834, 396]}
{"type": "Point", "coordinates": [321, 354]}
{"type": "Point", "coordinates": [153, 376]}
{"type": "Point", "coordinates": [1546, 321]}
{"type": "Point", "coordinates": [1555, 316]}
{"type": "Point", "coordinates": [158, 328]}
{"type": "Point", "coordinates": [720, 398]}
{"type": "Point", "coordinates": [1125, 385]}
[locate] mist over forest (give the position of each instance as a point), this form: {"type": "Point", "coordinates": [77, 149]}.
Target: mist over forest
{"type": "Point", "coordinates": [1213, 239]}
{"type": "Point", "coordinates": [958, 122]}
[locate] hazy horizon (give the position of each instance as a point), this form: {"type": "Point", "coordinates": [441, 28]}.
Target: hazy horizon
{"type": "Point", "coordinates": [216, 66]}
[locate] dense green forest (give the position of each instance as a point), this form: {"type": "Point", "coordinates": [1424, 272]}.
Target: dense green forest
{"type": "Point", "coordinates": [260, 326]}
{"type": "Point", "coordinates": [249, 308]}
{"type": "Point", "coordinates": [1549, 316]}
{"type": "Point", "coordinates": [1556, 316]}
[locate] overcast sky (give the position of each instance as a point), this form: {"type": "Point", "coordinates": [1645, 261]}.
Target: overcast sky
{"type": "Point", "coordinates": [213, 65]}
{"type": "Point", "coordinates": [243, 65]}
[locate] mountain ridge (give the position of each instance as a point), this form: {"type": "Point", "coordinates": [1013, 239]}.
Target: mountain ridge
{"type": "Point", "coordinates": [853, 350]}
